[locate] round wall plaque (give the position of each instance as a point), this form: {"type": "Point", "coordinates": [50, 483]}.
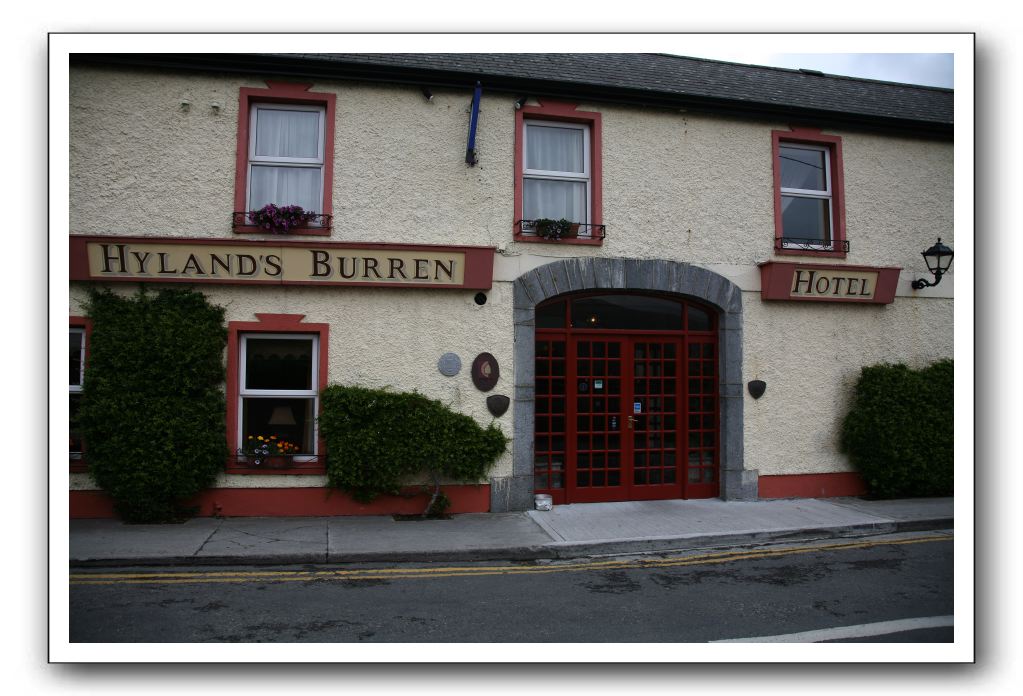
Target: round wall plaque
{"type": "Point", "coordinates": [485, 372]}
{"type": "Point", "coordinates": [449, 364]}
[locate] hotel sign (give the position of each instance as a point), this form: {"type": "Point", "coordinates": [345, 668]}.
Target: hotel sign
{"type": "Point", "coordinates": [284, 262]}
{"type": "Point", "coordinates": [828, 283]}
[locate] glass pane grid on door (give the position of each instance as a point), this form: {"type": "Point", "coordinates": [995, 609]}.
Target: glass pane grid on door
{"type": "Point", "coordinates": [701, 393]}
{"type": "Point", "coordinates": [598, 404]}
{"type": "Point", "coordinates": [655, 403]}
{"type": "Point", "coordinates": [550, 432]}
{"type": "Point", "coordinates": [626, 408]}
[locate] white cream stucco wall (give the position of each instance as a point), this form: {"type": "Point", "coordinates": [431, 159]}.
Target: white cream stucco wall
{"type": "Point", "coordinates": [681, 186]}
{"type": "Point", "coordinates": [810, 355]}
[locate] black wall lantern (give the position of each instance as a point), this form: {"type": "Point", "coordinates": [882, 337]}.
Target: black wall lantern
{"type": "Point", "coordinates": [938, 258]}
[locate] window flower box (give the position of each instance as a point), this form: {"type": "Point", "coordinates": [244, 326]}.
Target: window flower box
{"type": "Point", "coordinates": [268, 452]}
{"type": "Point", "coordinates": [550, 230]}
{"type": "Point", "coordinates": [287, 219]}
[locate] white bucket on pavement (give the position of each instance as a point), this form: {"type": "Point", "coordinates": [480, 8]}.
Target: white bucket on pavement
{"type": "Point", "coordinates": [542, 501]}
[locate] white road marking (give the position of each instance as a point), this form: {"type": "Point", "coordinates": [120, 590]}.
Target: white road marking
{"type": "Point", "coordinates": [843, 632]}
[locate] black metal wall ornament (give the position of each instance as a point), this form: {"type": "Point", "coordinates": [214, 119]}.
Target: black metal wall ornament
{"type": "Point", "coordinates": [498, 404]}
{"type": "Point", "coordinates": [757, 388]}
{"type": "Point", "coordinates": [485, 372]}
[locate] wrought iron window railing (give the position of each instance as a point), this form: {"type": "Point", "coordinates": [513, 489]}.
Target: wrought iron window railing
{"type": "Point", "coordinates": [804, 244]}
{"type": "Point", "coordinates": [577, 230]}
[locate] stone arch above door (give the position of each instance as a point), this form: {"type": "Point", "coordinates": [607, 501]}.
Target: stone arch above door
{"type": "Point", "coordinates": [515, 492]}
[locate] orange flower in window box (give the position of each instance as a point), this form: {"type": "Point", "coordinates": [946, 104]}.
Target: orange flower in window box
{"type": "Point", "coordinates": [269, 451]}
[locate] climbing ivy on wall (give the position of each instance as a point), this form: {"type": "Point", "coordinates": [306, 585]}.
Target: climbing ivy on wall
{"type": "Point", "coordinates": [152, 413]}
{"type": "Point", "coordinates": [376, 438]}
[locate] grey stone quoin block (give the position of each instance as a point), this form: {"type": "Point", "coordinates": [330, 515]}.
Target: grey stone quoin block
{"type": "Point", "coordinates": [655, 275]}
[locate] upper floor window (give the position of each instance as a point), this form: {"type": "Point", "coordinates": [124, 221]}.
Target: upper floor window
{"type": "Point", "coordinates": [809, 202]}
{"type": "Point", "coordinates": [285, 154]}
{"type": "Point", "coordinates": [558, 171]}
{"type": "Point", "coordinates": [805, 193]}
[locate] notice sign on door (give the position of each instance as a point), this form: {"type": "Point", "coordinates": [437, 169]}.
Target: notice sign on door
{"type": "Point", "coordinates": [637, 407]}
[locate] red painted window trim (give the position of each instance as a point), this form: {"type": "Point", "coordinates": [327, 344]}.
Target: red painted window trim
{"type": "Point", "coordinates": [812, 136]}
{"type": "Point", "coordinates": [78, 322]}
{"type": "Point", "coordinates": [270, 323]}
{"type": "Point", "coordinates": [283, 93]}
{"type": "Point", "coordinates": [552, 110]}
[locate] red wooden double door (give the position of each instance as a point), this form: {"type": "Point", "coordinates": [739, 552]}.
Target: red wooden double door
{"type": "Point", "coordinates": [626, 399]}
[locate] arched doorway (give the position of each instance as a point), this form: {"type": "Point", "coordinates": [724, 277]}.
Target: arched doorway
{"type": "Point", "coordinates": [626, 403]}
{"type": "Point", "coordinates": [700, 286]}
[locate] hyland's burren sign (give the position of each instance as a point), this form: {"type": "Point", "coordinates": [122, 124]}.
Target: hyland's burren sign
{"type": "Point", "coordinates": [285, 262]}
{"type": "Point", "coordinates": [828, 283]}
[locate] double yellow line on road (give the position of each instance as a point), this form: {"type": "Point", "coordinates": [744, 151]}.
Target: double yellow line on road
{"type": "Point", "coordinates": [248, 576]}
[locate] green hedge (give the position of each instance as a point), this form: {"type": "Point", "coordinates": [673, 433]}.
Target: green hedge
{"type": "Point", "coordinates": [376, 438]}
{"type": "Point", "coordinates": [152, 413]}
{"type": "Point", "coordinates": [898, 432]}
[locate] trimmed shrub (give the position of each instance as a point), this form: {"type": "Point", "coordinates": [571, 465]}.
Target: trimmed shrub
{"type": "Point", "coordinates": [376, 438]}
{"type": "Point", "coordinates": [152, 413]}
{"type": "Point", "coordinates": [898, 433]}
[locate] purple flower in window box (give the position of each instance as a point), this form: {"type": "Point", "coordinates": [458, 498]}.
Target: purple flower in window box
{"type": "Point", "coordinates": [280, 219]}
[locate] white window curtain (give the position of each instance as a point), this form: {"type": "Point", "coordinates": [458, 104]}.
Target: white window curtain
{"type": "Point", "coordinates": [554, 149]}
{"type": "Point", "coordinates": [285, 186]}
{"type": "Point", "coordinates": [287, 134]}
{"type": "Point", "coordinates": [546, 198]}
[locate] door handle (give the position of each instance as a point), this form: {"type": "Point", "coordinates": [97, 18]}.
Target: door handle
{"type": "Point", "coordinates": [631, 421]}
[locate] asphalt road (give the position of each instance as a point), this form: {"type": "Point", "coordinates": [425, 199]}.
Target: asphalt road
{"type": "Point", "coordinates": [852, 590]}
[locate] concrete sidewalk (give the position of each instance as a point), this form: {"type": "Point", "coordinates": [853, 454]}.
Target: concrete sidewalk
{"type": "Point", "coordinates": [567, 531]}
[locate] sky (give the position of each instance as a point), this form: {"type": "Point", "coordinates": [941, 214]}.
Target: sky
{"type": "Point", "coordinates": [932, 69]}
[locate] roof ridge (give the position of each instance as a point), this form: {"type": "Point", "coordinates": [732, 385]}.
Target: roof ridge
{"type": "Point", "coordinates": [803, 71]}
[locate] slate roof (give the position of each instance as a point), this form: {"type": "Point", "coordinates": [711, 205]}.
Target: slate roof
{"type": "Point", "coordinates": [636, 78]}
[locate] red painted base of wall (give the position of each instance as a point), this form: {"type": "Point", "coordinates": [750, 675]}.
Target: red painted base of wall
{"type": "Point", "coordinates": [296, 502]}
{"type": "Point", "coordinates": [325, 502]}
{"type": "Point", "coordinates": [812, 485]}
